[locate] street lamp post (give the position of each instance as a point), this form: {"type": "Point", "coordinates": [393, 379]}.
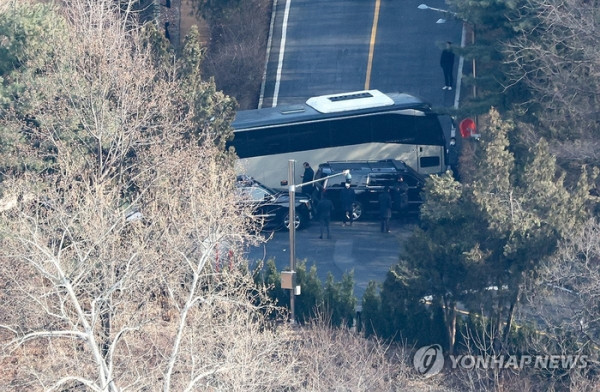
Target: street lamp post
{"type": "Point", "coordinates": [292, 231]}
{"type": "Point", "coordinates": [461, 59]}
{"type": "Point", "coordinates": [290, 277]}
{"type": "Point", "coordinates": [426, 7]}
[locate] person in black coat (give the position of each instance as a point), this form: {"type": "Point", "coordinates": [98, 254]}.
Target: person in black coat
{"type": "Point", "coordinates": [400, 196]}
{"type": "Point", "coordinates": [309, 175]}
{"type": "Point", "coordinates": [315, 197]}
{"type": "Point", "coordinates": [348, 197]}
{"type": "Point", "coordinates": [385, 209]}
{"type": "Point", "coordinates": [452, 155]}
{"type": "Point", "coordinates": [324, 210]}
{"type": "Point", "coordinates": [447, 64]}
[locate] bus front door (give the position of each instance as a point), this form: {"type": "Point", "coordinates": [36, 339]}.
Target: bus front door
{"type": "Point", "coordinates": [430, 159]}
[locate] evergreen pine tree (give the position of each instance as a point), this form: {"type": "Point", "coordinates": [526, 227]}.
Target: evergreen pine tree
{"type": "Point", "coordinates": [371, 315]}
{"type": "Point", "coordinates": [480, 240]}
{"type": "Point", "coordinates": [339, 300]}
{"type": "Point", "coordinates": [309, 304]}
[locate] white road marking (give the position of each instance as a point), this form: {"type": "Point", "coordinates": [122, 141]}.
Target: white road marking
{"type": "Point", "coordinates": [281, 51]}
{"type": "Point", "coordinates": [269, 43]}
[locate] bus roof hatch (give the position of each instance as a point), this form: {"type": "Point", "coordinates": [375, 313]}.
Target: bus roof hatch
{"type": "Point", "coordinates": [349, 101]}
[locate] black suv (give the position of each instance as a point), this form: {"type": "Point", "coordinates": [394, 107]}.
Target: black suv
{"type": "Point", "coordinates": [271, 206]}
{"type": "Point", "coordinates": [369, 179]}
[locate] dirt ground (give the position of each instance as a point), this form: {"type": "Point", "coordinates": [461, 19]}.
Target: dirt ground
{"type": "Point", "coordinates": [188, 19]}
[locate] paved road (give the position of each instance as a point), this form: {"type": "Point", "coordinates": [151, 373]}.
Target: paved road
{"type": "Point", "coordinates": [360, 247]}
{"type": "Point", "coordinates": [327, 46]}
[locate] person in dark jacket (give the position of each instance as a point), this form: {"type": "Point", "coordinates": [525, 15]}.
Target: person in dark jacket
{"type": "Point", "coordinates": [315, 197]}
{"type": "Point", "coordinates": [452, 155]}
{"type": "Point", "coordinates": [385, 209]}
{"type": "Point", "coordinates": [400, 196]}
{"type": "Point", "coordinates": [324, 210]}
{"type": "Point", "coordinates": [309, 175]}
{"type": "Point", "coordinates": [348, 197]}
{"type": "Point", "coordinates": [447, 64]}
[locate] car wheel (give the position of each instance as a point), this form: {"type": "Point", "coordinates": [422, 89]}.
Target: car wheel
{"type": "Point", "coordinates": [298, 222]}
{"type": "Point", "coordinates": [357, 210]}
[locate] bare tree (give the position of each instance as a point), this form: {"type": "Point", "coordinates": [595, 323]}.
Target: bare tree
{"type": "Point", "coordinates": [572, 276]}
{"type": "Point", "coordinates": [563, 299]}
{"type": "Point", "coordinates": [557, 56]}
{"type": "Point", "coordinates": [112, 264]}
{"type": "Point", "coordinates": [121, 267]}
{"type": "Point", "coordinates": [342, 360]}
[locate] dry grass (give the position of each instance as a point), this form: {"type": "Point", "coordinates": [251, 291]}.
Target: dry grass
{"type": "Point", "coordinates": [236, 54]}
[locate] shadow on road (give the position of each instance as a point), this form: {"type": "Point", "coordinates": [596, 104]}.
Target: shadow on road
{"type": "Point", "coordinates": [360, 247]}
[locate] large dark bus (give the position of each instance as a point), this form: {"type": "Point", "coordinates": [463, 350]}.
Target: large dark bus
{"type": "Point", "coordinates": [362, 125]}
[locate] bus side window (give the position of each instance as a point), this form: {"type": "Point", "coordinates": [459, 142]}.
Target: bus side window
{"type": "Point", "coordinates": [351, 130]}
{"type": "Point", "coordinates": [268, 141]}
{"type": "Point", "coordinates": [309, 136]}
{"type": "Point", "coordinates": [241, 144]}
{"type": "Point", "coordinates": [397, 127]}
{"type": "Point", "coordinates": [429, 161]}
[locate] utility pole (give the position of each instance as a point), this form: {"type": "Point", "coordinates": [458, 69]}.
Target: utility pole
{"type": "Point", "coordinates": [288, 278]}
{"type": "Point", "coordinates": [292, 231]}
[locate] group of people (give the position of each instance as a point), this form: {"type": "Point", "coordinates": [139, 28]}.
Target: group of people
{"type": "Point", "coordinates": [397, 195]}
{"type": "Point", "coordinates": [323, 205]}
{"type": "Point", "coordinates": [391, 197]}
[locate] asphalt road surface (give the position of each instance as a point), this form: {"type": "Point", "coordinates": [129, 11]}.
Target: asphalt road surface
{"type": "Point", "coordinates": [332, 46]}
{"type": "Point", "coordinates": [360, 247]}
{"type": "Point", "coordinates": [323, 47]}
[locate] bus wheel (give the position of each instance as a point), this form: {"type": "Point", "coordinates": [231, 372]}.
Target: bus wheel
{"type": "Point", "coordinates": [357, 210]}
{"type": "Point", "coordinates": [298, 222]}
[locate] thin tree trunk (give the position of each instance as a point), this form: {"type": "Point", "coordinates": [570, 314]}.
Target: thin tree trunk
{"type": "Point", "coordinates": [105, 324]}
{"type": "Point", "coordinates": [510, 316]}
{"type": "Point", "coordinates": [497, 317]}
{"type": "Point", "coordinates": [450, 321]}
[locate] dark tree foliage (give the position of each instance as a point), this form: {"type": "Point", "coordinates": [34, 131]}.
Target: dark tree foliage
{"type": "Point", "coordinates": [333, 302]}
{"type": "Point", "coordinates": [270, 278]}
{"type": "Point", "coordinates": [339, 300]}
{"type": "Point", "coordinates": [216, 9]}
{"type": "Point", "coordinates": [479, 242]}
{"type": "Point", "coordinates": [490, 25]}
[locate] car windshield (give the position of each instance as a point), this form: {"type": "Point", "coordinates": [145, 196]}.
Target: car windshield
{"type": "Point", "coordinates": [254, 191]}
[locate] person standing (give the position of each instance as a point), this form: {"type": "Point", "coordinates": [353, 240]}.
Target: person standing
{"type": "Point", "coordinates": [348, 197]}
{"type": "Point", "coordinates": [315, 197]}
{"type": "Point", "coordinates": [400, 196]}
{"type": "Point", "coordinates": [447, 64]}
{"type": "Point", "coordinates": [452, 155]}
{"type": "Point", "coordinates": [385, 209]}
{"type": "Point", "coordinates": [324, 210]}
{"type": "Point", "coordinates": [309, 175]}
